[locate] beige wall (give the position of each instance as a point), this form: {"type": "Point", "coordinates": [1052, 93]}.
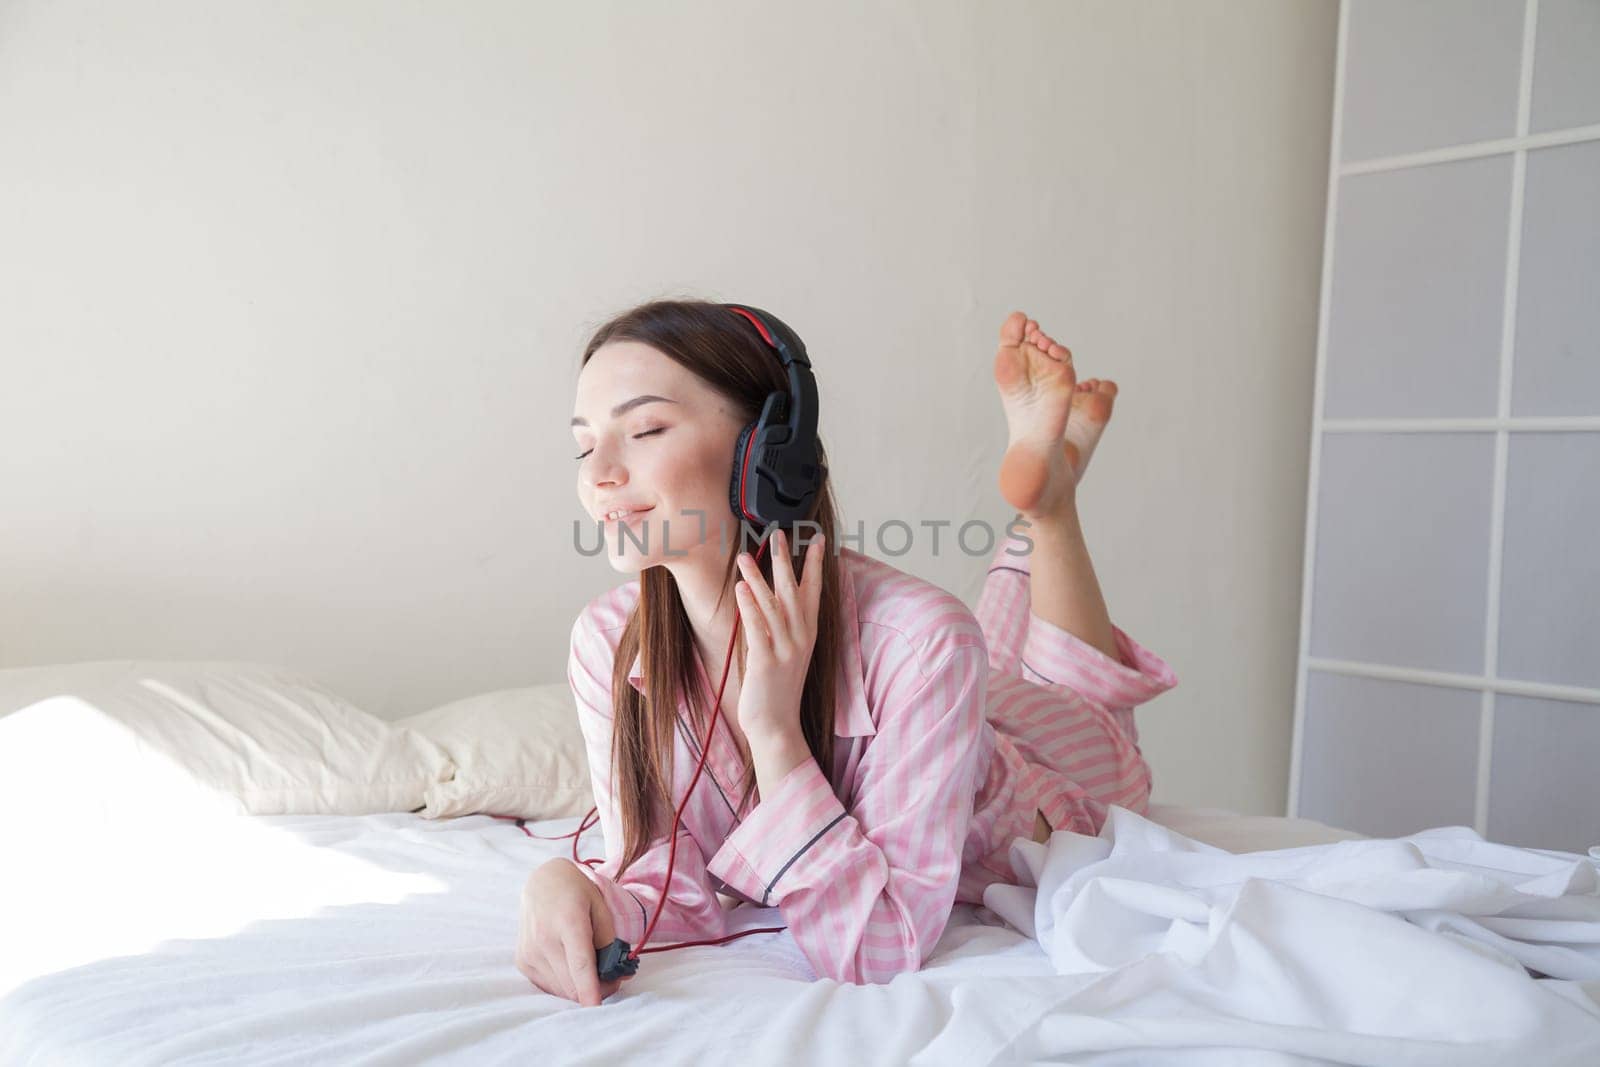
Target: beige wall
{"type": "Point", "coordinates": [291, 299]}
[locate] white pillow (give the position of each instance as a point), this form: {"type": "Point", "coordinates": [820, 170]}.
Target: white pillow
{"type": "Point", "coordinates": [516, 752]}
{"type": "Point", "coordinates": [141, 738]}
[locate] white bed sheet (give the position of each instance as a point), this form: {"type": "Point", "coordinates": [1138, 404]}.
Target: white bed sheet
{"type": "Point", "coordinates": [388, 939]}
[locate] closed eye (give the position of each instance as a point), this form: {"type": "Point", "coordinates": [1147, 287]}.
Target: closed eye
{"type": "Point", "coordinates": [647, 433]}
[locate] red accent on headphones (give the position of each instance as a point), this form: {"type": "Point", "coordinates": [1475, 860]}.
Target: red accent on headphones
{"type": "Point", "coordinates": [749, 443]}
{"type": "Point", "coordinates": [766, 335]}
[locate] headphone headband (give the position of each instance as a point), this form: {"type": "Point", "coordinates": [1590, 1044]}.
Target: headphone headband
{"type": "Point", "coordinates": [774, 333]}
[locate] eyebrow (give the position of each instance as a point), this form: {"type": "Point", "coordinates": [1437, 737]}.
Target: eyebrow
{"type": "Point", "coordinates": [625, 407]}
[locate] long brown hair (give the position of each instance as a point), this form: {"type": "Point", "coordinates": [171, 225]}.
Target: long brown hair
{"type": "Point", "coordinates": [723, 350]}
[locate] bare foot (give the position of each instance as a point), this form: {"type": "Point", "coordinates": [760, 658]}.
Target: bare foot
{"type": "Point", "coordinates": [1091, 410]}
{"type": "Point", "coordinates": [1036, 390]}
{"type": "Point", "coordinates": [1054, 420]}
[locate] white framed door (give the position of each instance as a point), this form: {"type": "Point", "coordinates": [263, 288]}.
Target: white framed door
{"type": "Point", "coordinates": [1449, 665]}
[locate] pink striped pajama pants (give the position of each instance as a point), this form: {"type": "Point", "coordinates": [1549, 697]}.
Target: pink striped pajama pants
{"type": "Point", "coordinates": [1064, 704]}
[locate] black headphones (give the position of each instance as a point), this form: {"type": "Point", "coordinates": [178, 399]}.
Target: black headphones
{"type": "Point", "coordinates": [776, 470]}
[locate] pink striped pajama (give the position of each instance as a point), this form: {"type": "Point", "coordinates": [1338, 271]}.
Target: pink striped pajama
{"type": "Point", "coordinates": [950, 728]}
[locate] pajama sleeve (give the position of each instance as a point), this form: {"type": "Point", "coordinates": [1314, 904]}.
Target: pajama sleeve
{"type": "Point", "coordinates": [692, 910]}
{"type": "Point", "coordinates": [867, 891]}
{"type": "Point", "coordinates": [1056, 656]}
{"type": "Point", "coordinates": [1023, 643]}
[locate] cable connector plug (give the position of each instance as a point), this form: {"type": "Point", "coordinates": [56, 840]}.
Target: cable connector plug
{"type": "Point", "coordinates": [613, 962]}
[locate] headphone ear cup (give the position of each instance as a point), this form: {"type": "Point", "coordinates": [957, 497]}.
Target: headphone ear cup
{"type": "Point", "coordinates": [736, 484]}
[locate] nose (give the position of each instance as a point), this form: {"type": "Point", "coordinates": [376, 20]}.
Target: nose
{"type": "Point", "coordinates": [601, 468]}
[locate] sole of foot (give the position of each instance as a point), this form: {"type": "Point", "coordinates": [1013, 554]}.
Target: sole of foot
{"type": "Point", "coordinates": [1054, 421]}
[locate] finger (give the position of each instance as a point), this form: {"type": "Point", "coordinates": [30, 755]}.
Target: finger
{"type": "Point", "coordinates": [755, 624]}
{"type": "Point", "coordinates": [811, 584]}
{"type": "Point", "coordinates": [552, 976]}
{"type": "Point", "coordinates": [528, 970]}
{"type": "Point", "coordinates": [783, 580]}
{"type": "Point", "coordinates": [764, 601]}
{"type": "Point", "coordinates": [533, 962]}
{"type": "Point", "coordinates": [581, 966]}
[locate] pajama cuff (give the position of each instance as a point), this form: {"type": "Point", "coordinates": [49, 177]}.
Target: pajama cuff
{"type": "Point", "coordinates": [1014, 554]}
{"type": "Point", "coordinates": [1059, 657]}
{"type": "Point", "coordinates": [627, 911]}
{"type": "Point", "coordinates": [776, 841]}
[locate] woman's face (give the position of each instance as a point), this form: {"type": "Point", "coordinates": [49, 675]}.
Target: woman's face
{"type": "Point", "coordinates": [651, 435]}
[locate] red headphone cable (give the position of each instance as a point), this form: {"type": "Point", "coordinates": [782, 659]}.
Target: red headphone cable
{"type": "Point", "coordinates": [629, 963]}
{"type": "Point", "coordinates": [672, 845]}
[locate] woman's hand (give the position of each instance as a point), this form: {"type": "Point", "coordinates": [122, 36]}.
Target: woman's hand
{"type": "Point", "coordinates": [780, 627]}
{"type": "Point", "coordinates": [564, 920]}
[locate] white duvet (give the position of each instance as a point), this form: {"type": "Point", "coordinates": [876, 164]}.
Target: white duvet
{"type": "Point", "coordinates": [388, 939]}
{"type": "Point", "coordinates": [1408, 950]}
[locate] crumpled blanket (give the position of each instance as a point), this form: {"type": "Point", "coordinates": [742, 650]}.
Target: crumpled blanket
{"type": "Point", "coordinates": [1438, 947]}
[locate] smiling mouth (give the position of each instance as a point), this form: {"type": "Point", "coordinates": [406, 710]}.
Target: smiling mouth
{"type": "Point", "coordinates": [632, 515]}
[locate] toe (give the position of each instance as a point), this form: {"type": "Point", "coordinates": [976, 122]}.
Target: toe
{"type": "Point", "coordinates": [1036, 359]}
{"type": "Point", "coordinates": [1011, 330]}
{"type": "Point", "coordinates": [1044, 368]}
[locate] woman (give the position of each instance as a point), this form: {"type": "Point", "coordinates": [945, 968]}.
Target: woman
{"type": "Point", "coordinates": [888, 744]}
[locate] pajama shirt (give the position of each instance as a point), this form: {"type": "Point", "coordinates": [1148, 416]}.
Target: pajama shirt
{"type": "Point", "coordinates": [952, 729]}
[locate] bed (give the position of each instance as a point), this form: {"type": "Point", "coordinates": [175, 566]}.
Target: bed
{"type": "Point", "coordinates": [175, 933]}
